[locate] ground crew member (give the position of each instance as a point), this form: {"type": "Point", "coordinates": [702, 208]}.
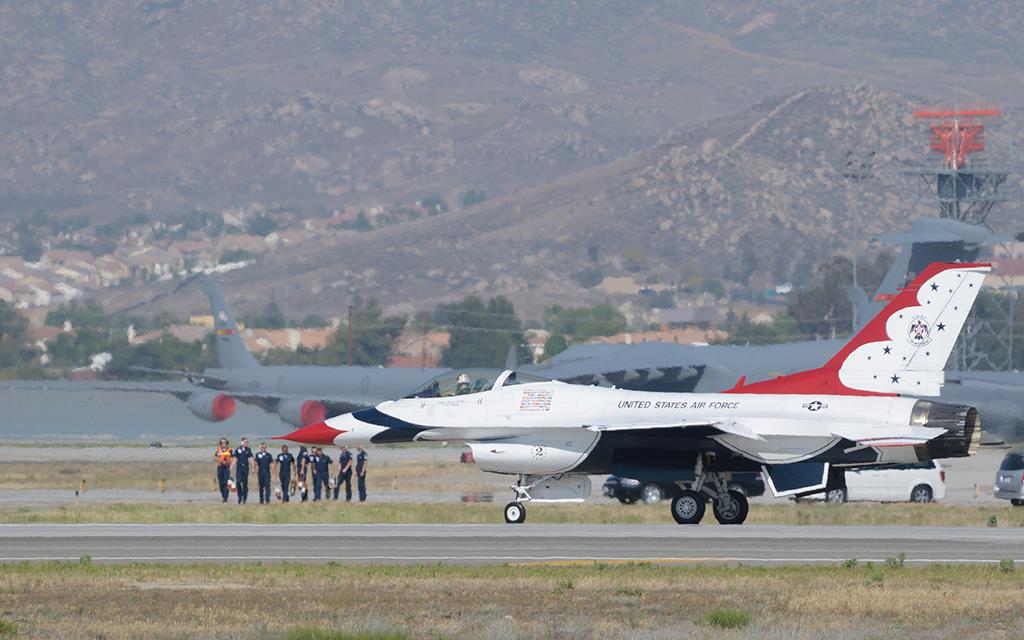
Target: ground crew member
{"type": "Point", "coordinates": [361, 473]}
{"type": "Point", "coordinates": [344, 474]}
{"type": "Point", "coordinates": [242, 456]}
{"type": "Point", "coordinates": [263, 463]}
{"type": "Point", "coordinates": [223, 457]}
{"type": "Point", "coordinates": [285, 461]}
{"type": "Point", "coordinates": [302, 469]}
{"type": "Point", "coordinates": [311, 462]}
{"type": "Point", "coordinates": [321, 474]}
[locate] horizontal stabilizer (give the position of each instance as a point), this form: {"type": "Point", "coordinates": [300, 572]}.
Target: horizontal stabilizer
{"type": "Point", "coordinates": [891, 437]}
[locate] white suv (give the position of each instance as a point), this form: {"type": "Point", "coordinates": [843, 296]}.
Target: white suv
{"type": "Point", "coordinates": [917, 482]}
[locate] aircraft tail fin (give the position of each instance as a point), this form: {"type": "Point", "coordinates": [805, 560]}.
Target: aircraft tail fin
{"type": "Point", "coordinates": [231, 350]}
{"type": "Point", "coordinates": [903, 349]}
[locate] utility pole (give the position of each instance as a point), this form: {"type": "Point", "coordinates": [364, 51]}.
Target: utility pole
{"type": "Point", "coordinates": [856, 170]}
{"type": "Point", "coordinates": [349, 324]}
{"type": "Point", "coordinates": [423, 350]}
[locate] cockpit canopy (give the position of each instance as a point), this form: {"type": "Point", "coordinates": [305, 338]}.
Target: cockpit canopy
{"type": "Point", "coordinates": [461, 382]}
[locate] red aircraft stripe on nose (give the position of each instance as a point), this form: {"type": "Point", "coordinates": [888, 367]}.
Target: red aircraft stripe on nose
{"type": "Point", "coordinates": [316, 433]}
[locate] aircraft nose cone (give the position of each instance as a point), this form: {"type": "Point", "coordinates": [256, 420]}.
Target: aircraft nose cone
{"type": "Point", "coordinates": [316, 433]}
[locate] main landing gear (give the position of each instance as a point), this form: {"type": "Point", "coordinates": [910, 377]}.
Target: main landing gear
{"type": "Point", "coordinates": [729, 505]}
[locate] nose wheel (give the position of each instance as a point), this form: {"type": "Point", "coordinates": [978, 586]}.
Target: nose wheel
{"type": "Point", "coordinates": [515, 513]}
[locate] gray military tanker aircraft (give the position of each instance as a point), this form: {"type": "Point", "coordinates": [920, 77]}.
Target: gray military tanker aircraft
{"type": "Point", "coordinates": [298, 394]}
{"type": "Point", "coordinates": [303, 395]}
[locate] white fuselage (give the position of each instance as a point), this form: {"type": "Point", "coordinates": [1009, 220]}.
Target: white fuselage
{"type": "Point", "coordinates": [558, 424]}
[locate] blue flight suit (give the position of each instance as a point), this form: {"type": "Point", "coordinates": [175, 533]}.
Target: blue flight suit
{"type": "Point", "coordinates": [263, 461]}
{"type": "Point", "coordinates": [361, 475]}
{"type": "Point", "coordinates": [344, 476]}
{"type": "Point", "coordinates": [321, 475]}
{"type": "Point", "coordinates": [242, 457]}
{"type": "Point", "coordinates": [302, 470]}
{"type": "Point", "coordinates": [284, 472]}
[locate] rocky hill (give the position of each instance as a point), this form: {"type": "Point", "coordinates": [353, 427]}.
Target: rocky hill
{"type": "Point", "coordinates": [753, 199]}
{"type": "Point", "coordinates": [611, 139]}
{"type": "Point", "coordinates": [167, 106]}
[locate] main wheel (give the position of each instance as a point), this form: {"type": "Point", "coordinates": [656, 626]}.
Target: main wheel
{"type": "Point", "coordinates": [921, 493]}
{"type": "Point", "coordinates": [835, 496]}
{"type": "Point", "coordinates": [688, 507]}
{"type": "Point", "coordinates": [732, 509]}
{"type": "Point", "coordinates": [738, 487]}
{"type": "Point", "coordinates": [650, 493]}
{"type": "Point", "coordinates": [1017, 502]}
{"type": "Point", "coordinates": [515, 513]}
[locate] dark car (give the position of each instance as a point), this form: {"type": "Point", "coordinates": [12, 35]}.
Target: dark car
{"type": "Point", "coordinates": [630, 490]}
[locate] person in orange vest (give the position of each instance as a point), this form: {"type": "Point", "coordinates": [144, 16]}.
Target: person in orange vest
{"type": "Point", "coordinates": [223, 457]}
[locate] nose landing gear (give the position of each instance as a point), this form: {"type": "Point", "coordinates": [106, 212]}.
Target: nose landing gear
{"type": "Point", "coordinates": [515, 513]}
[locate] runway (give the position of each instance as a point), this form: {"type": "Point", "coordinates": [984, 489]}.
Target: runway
{"type": "Point", "coordinates": [487, 544]}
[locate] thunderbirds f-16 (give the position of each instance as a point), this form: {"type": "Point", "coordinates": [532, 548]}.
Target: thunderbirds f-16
{"type": "Point", "coordinates": [802, 430]}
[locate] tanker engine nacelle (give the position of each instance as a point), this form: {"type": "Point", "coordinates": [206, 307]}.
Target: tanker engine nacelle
{"type": "Point", "coordinates": [301, 412]}
{"type": "Point", "coordinates": [210, 406]}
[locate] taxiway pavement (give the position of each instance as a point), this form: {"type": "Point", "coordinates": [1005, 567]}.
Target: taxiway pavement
{"type": "Point", "coordinates": [484, 544]}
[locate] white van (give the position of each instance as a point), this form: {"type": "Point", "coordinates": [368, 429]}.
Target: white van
{"type": "Point", "coordinates": [918, 482]}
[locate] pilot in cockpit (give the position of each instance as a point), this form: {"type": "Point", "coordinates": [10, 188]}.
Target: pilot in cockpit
{"type": "Point", "coordinates": [462, 385]}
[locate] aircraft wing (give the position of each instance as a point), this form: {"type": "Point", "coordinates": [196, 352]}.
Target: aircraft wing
{"type": "Point", "coordinates": [179, 389]}
{"type": "Point", "coordinates": [493, 434]}
{"type": "Point", "coordinates": [732, 427]}
{"type": "Point", "coordinates": [334, 405]}
{"type": "Point", "coordinates": [890, 436]}
{"type": "Point", "coordinates": [183, 390]}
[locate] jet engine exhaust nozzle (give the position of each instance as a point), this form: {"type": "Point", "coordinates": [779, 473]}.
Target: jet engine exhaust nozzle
{"type": "Point", "coordinates": [961, 422]}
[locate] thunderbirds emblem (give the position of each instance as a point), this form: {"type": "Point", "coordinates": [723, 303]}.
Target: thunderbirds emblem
{"type": "Point", "coordinates": [222, 316]}
{"type": "Point", "coordinates": [919, 334]}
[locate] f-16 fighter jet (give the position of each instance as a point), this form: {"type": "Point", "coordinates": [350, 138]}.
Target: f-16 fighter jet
{"type": "Point", "coordinates": [802, 430]}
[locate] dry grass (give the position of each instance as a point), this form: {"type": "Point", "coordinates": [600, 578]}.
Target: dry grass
{"type": "Point", "coordinates": [417, 476]}
{"type": "Point", "coordinates": [58, 600]}
{"type": "Point", "coordinates": [179, 476]}
{"type": "Point", "coordinates": [200, 476]}
{"type": "Point", "coordinates": [600, 513]}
